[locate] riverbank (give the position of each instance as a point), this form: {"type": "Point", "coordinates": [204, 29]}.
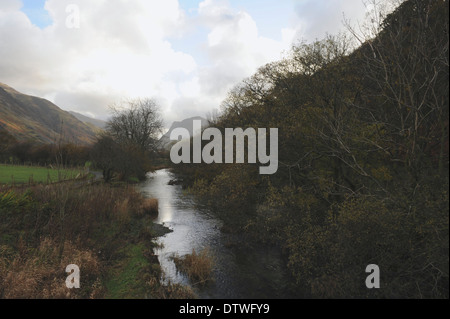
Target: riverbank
{"type": "Point", "coordinates": [240, 269]}
{"type": "Point", "coordinates": [105, 230]}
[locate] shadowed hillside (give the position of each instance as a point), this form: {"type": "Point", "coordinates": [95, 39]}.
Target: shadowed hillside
{"type": "Point", "coordinates": [363, 159]}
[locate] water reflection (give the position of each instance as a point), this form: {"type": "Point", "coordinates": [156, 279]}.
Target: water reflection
{"type": "Point", "coordinates": [239, 272]}
{"type": "Point", "coordinates": [156, 186]}
{"type": "Point", "coordinates": [191, 228]}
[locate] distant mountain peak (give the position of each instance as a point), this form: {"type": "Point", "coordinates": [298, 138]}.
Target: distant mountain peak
{"type": "Point", "coordinates": [165, 141]}
{"type": "Point", "coordinates": [98, 124]}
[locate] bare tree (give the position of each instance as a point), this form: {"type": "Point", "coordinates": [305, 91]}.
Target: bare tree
{"type": "Point", "coordinates": [136, 122]}
{"type": "Point", "coordinates": [408, 64]}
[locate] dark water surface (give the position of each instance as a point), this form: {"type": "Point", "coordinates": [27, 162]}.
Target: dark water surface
{"type": "Point", "coordinates": [239, 272]}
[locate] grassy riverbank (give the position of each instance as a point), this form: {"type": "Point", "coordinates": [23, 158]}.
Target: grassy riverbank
{"type": "Point", "coordinates": [106, 230]}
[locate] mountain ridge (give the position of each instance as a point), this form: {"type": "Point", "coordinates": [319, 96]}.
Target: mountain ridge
{"type": "Point", "coordinates": [95, 123]}
{"type": "Point", "coordinates": [32, 118]}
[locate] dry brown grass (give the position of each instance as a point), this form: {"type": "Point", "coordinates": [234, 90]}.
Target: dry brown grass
{"type": "Point", "coordinates": [122, 211]}
{"type": "Point", "coordinates": [40, 273]}
{"type": "Point", "coordinates": [44, 228]}
{"type": "Point", "coordinates": [170, 290]}
{"type": "Point", "coordinates": [150, 206]}
{"type": "Point", "coordinates": [197, 266]}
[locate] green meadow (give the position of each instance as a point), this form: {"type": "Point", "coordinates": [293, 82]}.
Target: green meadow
{"type": "Point", "coordinates": [12, 174]}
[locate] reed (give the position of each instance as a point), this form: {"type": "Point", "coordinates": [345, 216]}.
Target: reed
{"type": "Point", "coordinates": [150, 206]}
{"type": "Point", "coordinates": [197, 266]}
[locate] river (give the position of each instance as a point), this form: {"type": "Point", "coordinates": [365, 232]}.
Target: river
{"type": "Point", "coordinates": [239, 272]}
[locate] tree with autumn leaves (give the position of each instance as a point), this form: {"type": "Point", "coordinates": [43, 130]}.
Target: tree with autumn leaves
{"type": "Point", "coordinates": [363, 158]}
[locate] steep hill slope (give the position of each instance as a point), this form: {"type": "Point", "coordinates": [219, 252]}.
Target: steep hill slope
{"type": "Point", "coordinates": [32, 118]}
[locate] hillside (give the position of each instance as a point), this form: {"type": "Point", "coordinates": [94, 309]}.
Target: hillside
{"type": "Point", "coordinates": [32, 118]}
{"type": "Point", "coordinates": [363, 160]}
{"type": "Point", "coordinates": [94, 123]}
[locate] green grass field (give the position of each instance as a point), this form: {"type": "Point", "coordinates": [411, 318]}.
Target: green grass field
{"type": "Point", "coordinates": [24, 174]}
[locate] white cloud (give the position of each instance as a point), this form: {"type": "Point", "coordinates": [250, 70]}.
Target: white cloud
{"type": "Point", "coordinates": [316, 18]}
{"type": "Point", "coordinates": [10, 5]}
{"type": "Point", "coordinates": [234, 47]}
{"type": "Point", "coordinates": [122, 49]}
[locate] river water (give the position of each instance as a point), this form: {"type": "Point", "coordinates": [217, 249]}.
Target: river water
{"type": "Point", "coordinates": [239, 272]}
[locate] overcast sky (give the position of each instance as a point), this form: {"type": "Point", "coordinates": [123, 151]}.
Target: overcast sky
{"type": "Point", "coordinates": [187, 54]}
